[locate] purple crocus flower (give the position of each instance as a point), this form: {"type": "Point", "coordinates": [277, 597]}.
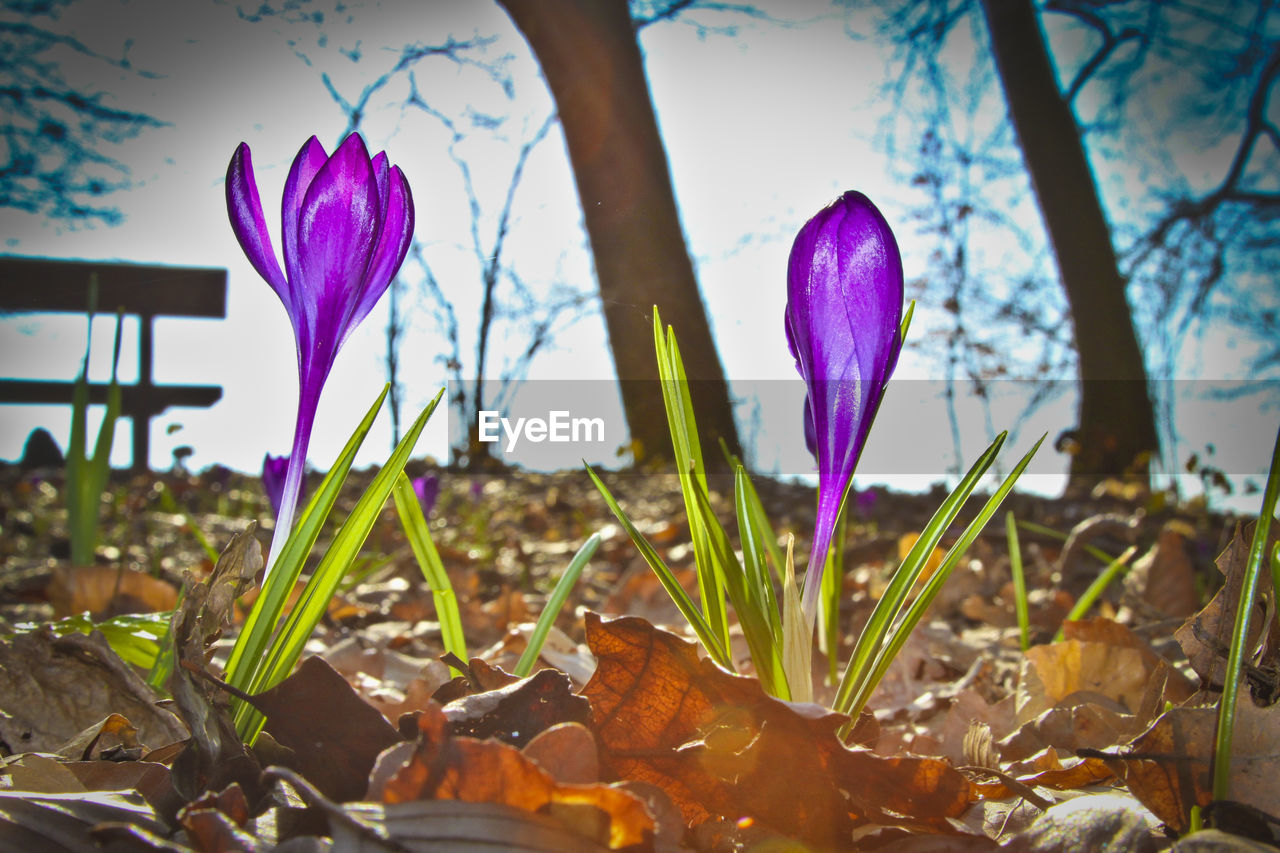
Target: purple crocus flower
{"type": "Point", "coordinates": [843, 318]}
{"type": "Point", "coordinates": [427, 488]}
{"type": "Point", "coordinates": [347, 222]}
{"type": "Point", "coordinates": [274, 470]}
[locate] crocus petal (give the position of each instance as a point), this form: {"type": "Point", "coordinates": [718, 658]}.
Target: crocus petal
{"type": "Point", "coordinates": [310, 159]}
{"type": "Point", "coordinates": [337, 231]}
{"type": "Point", "coordinates": [393, 245]}
{"type": "Point", "coordinates": [844, 310]}
{"type": "Point", "coordinates": [247, 222]}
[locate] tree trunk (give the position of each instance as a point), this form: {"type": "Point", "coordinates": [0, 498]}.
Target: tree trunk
{"type": "Point", "coordinates": [1116, 432]}
{"type": "Point", "coordinates": [593, 67]}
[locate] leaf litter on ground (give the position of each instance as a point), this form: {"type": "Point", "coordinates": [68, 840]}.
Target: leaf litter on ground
{"type": "Point", "coordinates": [1100, 736]}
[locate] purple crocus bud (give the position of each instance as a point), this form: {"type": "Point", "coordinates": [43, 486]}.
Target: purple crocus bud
{"type": "Point", "coordinates": [347, 222]}
{"type": "Point", "coordinates": [427, 488]}
{"type": "Point", "coordinates": [843, 318]}
{"type": "Point", "coordinates": [274, 470]}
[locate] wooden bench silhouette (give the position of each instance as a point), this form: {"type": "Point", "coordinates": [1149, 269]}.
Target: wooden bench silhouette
{"type": "Point", "coordinates": [45, 285]}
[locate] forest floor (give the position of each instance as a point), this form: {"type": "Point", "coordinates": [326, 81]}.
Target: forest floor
{"type": "Point", "coordinates": [626, 740]}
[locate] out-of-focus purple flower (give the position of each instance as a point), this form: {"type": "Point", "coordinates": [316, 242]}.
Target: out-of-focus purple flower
{"type": "Point", "coordinates": [843, 318]}
{"type": "Point", "coordinates": [427, 488]}
{"type": "Point", "coordinates": [274, 470]}
{"type": "Point", "coordinates": [865, 502]}
{"type": "Point", "coordinates": [347, 222]}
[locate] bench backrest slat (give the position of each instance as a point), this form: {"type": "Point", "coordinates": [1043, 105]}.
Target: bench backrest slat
{"type": "Point", "coordinates": [40, 284]}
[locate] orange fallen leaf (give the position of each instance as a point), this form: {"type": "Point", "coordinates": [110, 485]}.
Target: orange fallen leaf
{"type": "Point", "coordinates": [106, 591]}
{"type": "Point", "coordinates": [442, 767]}
{"type": "Point", "coordinates": [721, 748]}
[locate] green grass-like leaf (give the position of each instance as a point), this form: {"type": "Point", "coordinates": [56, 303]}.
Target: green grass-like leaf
{"type": "Point", "coordinates": [892, 640]}
{"type": "Point", "coordinates": [748, 600]}
{"type": "Point", "coordinates": [709, 639]}
{"type": "Point", "coordinates": [301, 621]}
{"type": "Point", "coordinates": [1240, 631]}
{"type": "Point", "coordinates": [442, 595]}
{"type": "Point", "coordinates": [829, 596]}
{"type": "Point", "coordinates": [253, 643]}
{"type": "Point", "coordinates": [1019, 581]}
{"type": "Point", "coordinates": [1099, 585]}
{"type": "Point", "coordinates": [87, 473]}
{"type": "Point", "coordinates": [904, 579]}
{"type": "Point", "coordinates": [755, 512]}
{"type": "Point", "coordinates": [692, 472]}
{"type": "Point", "coordinates": [550, 610]}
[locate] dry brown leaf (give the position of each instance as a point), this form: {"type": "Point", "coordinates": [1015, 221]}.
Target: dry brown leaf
{"type": "Point", "coordinates": [568, 752]}
{"type": "Point", "coordinates": [214, 755]}
{"type": "Point", "coordinates": [721, 748]}
{"type": "Point", "coordinates": [53, 688]}
{"type": "Point", "coordinates": [333, 734]}
{"type": "Point", "coordinates": [518, 711]}
{"type": "Point", "coordinates": [106, 591]}
{"type": "Point", "coordinates": [1206, 636]}
{"type": "Point", "coordinates": [453, 825]}
{"type": "Point", "coordinates": [1053, 672]}
{"type": "Point", "coordinates": [41, 774]}
{"type": "Point", "coordinates": [1050, 769]}
{"type": "Point", "coordinates": [1167, 766]}
{"type": "Point", "coordinates": [66, 822]}
{"type": "Point", "coordinates": [214, 823]}
{"type": "Point", "coordinates": [1177, 687]}
{"type": "Point", "coordinates": [443, 767]}
{"type": "Point", "coordinates": [1165, 577]}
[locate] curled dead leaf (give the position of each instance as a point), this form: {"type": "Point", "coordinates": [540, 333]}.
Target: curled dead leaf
{"type": "Point", "coordinates": [721, 748]}
{"type": "Point", "coordinates": [443, 767]}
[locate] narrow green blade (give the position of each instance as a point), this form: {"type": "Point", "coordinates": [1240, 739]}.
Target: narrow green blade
{"type": "Point", "coordinates": [710, 640]}
{"type": "Point", "coordinates": [424, 550]}
{"type": "Point", "coordinates": [524, 666]}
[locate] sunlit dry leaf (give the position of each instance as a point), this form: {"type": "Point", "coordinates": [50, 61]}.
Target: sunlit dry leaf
{"type": "Point", "coordinates": [568, 752]}
{"type": "Point", "coordinates": [53, 688]}
{"type": "Point", "coordinates": [41, 774]}
{"type": "Point", "coordinates": [518, 711]}
{"type": "Point", "coordinates": [106, 591]}
{"type": "Point", "coordinates": [214, 823]}
{"type": "Point", "coordinates": [113, 733]}
{"type": "Point", "coordinates": [335, 736]}
{"type": "Point", "coordinates": [1053, 672]}
{"type": "Point", "coordinates": [1167, 766]}
{"type": "Point", "coordinates": [150, 779]}
{"type": "Point", "coordinates": [1069, 727]}
{"type": "Point", "coordinates": [1206, 636]}
{"type": "Point", "coordinates": [1178, 688]}
{"type": "Point", "coordinates": [1050, 769]}
{"type": "Point", "coordinates": [1165, 577]}
{"type": "Point", "coordinates": [64, 821]}
{"type": "Point", "coordinates": [719, 746]}
{"type": "Point", "coordinates": [443, 767]}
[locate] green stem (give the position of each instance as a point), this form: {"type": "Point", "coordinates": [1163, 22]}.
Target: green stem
{"type": "Point", "coordinates": [1240, 633]}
